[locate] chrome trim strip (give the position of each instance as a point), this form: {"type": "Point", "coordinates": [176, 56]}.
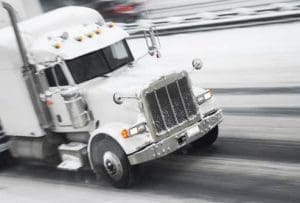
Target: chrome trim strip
{"type": "Point", "coordinates": [183, 103]}
{"type": "Point", "coordinates": [160, 111]}
{"type": "Point", "coordinates": [172, 106]}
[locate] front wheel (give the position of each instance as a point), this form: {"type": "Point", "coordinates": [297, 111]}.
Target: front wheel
{"type": "Point", "coordinates": [110, 162]}
{"type": "Point", "coordinates": [5, 158]}
{"type": "Point", "coordinates": [208, 139]}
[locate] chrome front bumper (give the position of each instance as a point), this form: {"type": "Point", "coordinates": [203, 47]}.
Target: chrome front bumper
{"type": "Point", "coordinates": [178, 140]}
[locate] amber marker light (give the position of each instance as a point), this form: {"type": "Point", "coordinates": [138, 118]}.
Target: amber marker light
{"type": "Point", "coordinates": [111, 25]}
{"type": "Point", "coordinates": [79, 38]}
{"type": "Point", "coordinates": [125, 133]}
{"type": "Point", "coordinates": [57, 45]}
{"type": "Point", "coordinates": [49, 102]}
{"type": "Point", "coordinates": [98, 31]}
{"type": "Point", "coordinates": [90, 35]}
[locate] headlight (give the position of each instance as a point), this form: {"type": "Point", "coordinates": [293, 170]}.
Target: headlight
{"type": "Point", "coordinates": [204, 97]}
{"type": "Point", "coordinates": [137, 129]}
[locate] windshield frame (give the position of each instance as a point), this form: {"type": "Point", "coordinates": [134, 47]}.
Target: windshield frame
{"type": "Point", "coordinates": [98, 57]}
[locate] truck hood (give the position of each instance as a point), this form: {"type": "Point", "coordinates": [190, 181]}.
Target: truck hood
{"type": "Point", "coordinates": [128, 82]}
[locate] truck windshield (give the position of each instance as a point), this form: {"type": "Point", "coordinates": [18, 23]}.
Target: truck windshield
{"type": "Point", "coordinates": [101, 62]}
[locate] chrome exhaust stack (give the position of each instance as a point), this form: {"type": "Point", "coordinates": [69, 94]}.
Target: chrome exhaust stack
{"type": "Point", "coordinates": [29, 73]}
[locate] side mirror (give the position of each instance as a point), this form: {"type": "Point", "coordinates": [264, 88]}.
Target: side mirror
{"type": "Point", "coordinates": [197, 64]}
{"type": "Point", "coordinates": [152, 42]}
{"type": "Point", "coordinates": [117, 98]}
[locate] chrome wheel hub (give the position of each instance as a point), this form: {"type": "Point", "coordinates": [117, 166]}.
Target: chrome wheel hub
{"type": "Point", "coordinates": [113, 165]}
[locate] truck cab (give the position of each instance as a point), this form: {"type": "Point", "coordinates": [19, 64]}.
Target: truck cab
{"type": "Point", "coordinates": [90, 103]}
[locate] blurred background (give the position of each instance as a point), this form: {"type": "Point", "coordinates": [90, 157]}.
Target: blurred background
{"type": "Point", "coordinates": [129, 11]}
{"type": "Point", "coordinates": [251, 55]}
{"type": "Point", "coordinates": [117, 10]}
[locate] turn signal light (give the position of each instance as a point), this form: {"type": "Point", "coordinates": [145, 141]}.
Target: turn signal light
{"type": "Point", "coordinates": [125, 133]}
{"type": "Point", "coordinates": [49, 102]}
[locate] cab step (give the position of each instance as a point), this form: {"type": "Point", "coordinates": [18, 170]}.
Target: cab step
{"type": "Point", "coordinates": [73, 156]}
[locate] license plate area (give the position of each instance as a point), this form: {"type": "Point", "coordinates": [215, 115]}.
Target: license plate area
{"type": "Point", "coordinates": [181, 139]}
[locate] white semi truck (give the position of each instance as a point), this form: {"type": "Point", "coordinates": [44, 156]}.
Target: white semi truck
{"type": "Point", "coordinates": [71, 94]}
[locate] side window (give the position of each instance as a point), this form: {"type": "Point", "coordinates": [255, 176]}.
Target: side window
{"type": "Point", "coordinates": [62, 80]}
{"type": "Point", "coordinates": [118, 54]}
{"type": "Point", "coordinates": [56, 77]}
{"type": "Point", "coordinates": [50, 77]}
{"type": "Point", "coordinates": [119, 51]}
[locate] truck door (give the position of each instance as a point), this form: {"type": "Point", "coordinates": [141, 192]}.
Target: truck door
{"type": "Point", "coordinates": [57, 82]}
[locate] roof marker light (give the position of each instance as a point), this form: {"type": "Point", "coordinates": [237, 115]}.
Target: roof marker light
{"type": "Point", "coordinates": [79, 38]}
{"type": "Point", "coordinates": [57, 45]}
{"type": "Point", "coordinates": [98, 31]}
{"type": "Point", "coordinates": [90, 35]}
{"type": "Point", "coordinates": [111, 25]}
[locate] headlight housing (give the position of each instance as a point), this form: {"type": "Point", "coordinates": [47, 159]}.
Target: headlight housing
{"type": "Point", "coordinates": [135, 130]}
{"type": "Point", "coordinates": [138, 129]}
{"type": "Point", "coordinates": [204, 97]}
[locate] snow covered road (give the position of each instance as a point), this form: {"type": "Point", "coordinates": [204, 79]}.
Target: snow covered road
{"type": "Point", "coordinates": [235, 169]}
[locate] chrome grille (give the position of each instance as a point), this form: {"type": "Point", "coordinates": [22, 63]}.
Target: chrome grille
{"type": "Point", "coordinates": [171, 105]}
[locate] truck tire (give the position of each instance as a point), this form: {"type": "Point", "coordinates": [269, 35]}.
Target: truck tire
{"type": "Point", "coordinates": [5, 158]}
{"type": "Point", "coordinates": [208, 139]}
{"type": "Point", "coordinates": [111, 163]}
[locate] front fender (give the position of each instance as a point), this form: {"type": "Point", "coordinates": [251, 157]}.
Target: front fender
{"type": "Point", "coordinates": [129, 145]}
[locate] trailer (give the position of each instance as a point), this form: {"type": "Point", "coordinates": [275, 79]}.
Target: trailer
{"type": "Point", "coordinates": [73, 95]}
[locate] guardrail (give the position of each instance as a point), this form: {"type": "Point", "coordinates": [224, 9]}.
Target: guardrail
{"type": "Point", "coordinates": [240, 17]}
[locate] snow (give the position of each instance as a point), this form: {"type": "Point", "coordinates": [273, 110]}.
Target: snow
{"type": "Point", "coordinates": [262, 56]}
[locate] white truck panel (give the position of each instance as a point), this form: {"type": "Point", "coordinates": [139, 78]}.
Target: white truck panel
{"type": "Point", "coordinates": [59, 19]}
{"type": "Point", "coordinates": [36, 27]}
{"type": "Point", "coordinates": [44, 48]}
{"type": "Point", "coordinates": [16, 111]}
